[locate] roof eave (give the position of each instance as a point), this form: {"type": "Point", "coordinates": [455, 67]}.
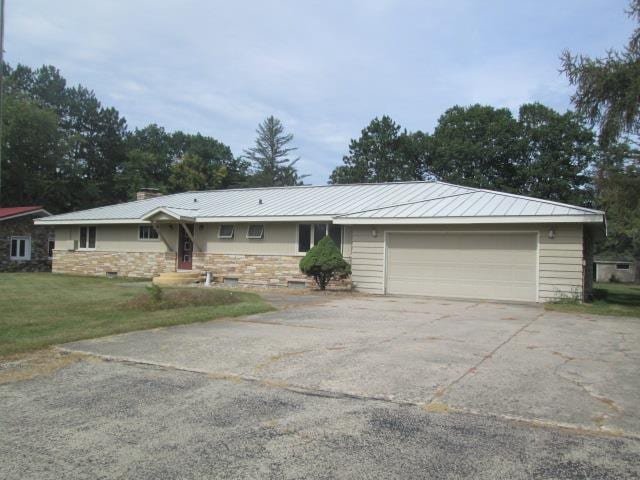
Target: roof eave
{"type": "Point", "coordinates": [23, 214]}
{"type": "Point", "coordinates": [121, 221]}
{"type": "Point", "coordinates": [471, 220]}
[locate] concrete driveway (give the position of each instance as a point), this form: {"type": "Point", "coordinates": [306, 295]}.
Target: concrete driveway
{"type": "Point", "coordinates": [410, 387]}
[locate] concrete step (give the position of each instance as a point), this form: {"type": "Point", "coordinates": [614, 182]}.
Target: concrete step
{"type": "Point", "coordinates": [178, 278]}
{"type": "Point", "coordinates": [180, 275]}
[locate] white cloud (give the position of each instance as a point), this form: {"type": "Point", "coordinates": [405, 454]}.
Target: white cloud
{"type": "Point", "coordinates": [325, 68]}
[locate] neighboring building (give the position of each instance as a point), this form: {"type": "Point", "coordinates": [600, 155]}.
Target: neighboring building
{"type": "Point", "coordinates": [625, 271]}
{"type": "Point", "coordinates": [414, 238]}
{"type": "Point", "coordinates": [25, 247]}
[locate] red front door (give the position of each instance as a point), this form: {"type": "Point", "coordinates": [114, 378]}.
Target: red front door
{"type": "Point", "coordinates": [185, 249]}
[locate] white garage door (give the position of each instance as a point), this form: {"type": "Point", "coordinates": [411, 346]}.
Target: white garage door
{"type": "Point", "coordinates": [465, 265]}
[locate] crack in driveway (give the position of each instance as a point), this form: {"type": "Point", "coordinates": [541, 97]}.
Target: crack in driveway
{"type": "Point", "coordinates": [442, 390]}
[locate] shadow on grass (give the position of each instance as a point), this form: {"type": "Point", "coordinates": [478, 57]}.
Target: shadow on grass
{"type": "Point", "coordinates": [628, 295]}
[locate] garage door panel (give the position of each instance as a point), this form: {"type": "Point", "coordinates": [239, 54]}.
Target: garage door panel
{"type": "Point", "coordinates": [471, 265]}
{"type": "Point", "coordinates": [459, 272]}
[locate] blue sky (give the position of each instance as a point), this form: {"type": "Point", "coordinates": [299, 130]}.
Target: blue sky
{"type": "Point", "coordinates": [324, 68]}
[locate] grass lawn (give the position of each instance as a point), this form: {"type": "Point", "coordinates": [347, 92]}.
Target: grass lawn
{"type": "Point", "coordinates": [610, 299]}
{"type": "Point", "coordinates": [42, 309]}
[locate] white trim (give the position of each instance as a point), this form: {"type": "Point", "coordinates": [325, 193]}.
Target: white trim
{"type": "Point", "coordinates": [151, 227]}
{"type": "Point", "coordinates": [345, 220]}
{"type": "Point", "coordinates": [538, 266]}
{"type": "Point", "coordinates": [312, 235]}
{"type": "Point", "coordinates": [124, 221]}
{"type": "Point", "coordinates": [267, 219]}
{"type": "Point", "coordinates": [255, 237]}
{"type": "Point", "coordinates": [470, 220]}
{"type": "Point", "coordinates": [226, 237]}
{"type": "Point", "coordinates": [80, 247]}
{"type": "Point", "coordinates": [23, 214]}
{"type": "Point", "coordinates": [27, 248]}
{"type": "Point", "coordinates": [284, 219]}
{"type": "Point", "coordinates": [51, 239]}
{"type": "Point", "coordinates": [418, 232]}
{"type": "Point", "coordinates": [170, 213]}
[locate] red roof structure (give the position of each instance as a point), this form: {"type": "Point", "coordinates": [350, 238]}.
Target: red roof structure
{"type": "Point", "coordinates": [10, 212]}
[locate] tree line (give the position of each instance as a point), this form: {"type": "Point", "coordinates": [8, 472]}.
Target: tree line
{"type": "Point", "coordinates": [63, 149]}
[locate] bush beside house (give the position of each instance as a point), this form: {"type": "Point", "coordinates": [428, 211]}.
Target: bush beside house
{"type": "Point", "coordinates": [324, 262]}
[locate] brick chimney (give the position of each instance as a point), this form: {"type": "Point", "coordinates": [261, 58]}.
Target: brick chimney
{"type": "Point", "coordinates": [145, 193]}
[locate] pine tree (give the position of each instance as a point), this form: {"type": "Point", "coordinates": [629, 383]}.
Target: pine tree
{"type": "Point", "coordinates": [271, 163]}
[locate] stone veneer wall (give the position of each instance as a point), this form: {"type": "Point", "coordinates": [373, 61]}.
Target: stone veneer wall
{"type": "Point", "coordinates": [249, 270]}
{"type": "Point", "coordinates": [258, 270]}
{"type": "Point", "coordinates": [23, 226]}
{"type": "Point", "coordinates": [252, 270]}
{"type": "Point", "coordinates": [127, 264]}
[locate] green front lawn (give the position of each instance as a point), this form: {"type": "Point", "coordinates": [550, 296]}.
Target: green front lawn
{"type": "Point", "coordinates": [610, 299]}
{"type": "Point", "coordinates": [41, 309]}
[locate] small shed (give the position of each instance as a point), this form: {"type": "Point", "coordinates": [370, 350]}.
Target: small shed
{"type": "Point", "coordinates": [624, 271]}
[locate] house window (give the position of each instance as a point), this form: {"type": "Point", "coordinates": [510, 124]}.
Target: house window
{"type": "Point", "coordinates": [622, 266]}
{"type": "Point", "coordinates": [255, 231]}
{"type": "Point", "coordinates": [226, 231]}
{"type": "Point", "coordinates": [311, 234]}
{"type": "Point", "coordinates": [20, 248]}
{"type": "Point", "coordinates": [50, 246]}
{"type": "Point", "coordinates": [88, 237]}
{"type": "Point", "coordinates": [147, 232]}
{"type": "Point", "coordinates": [335, 232]}
{"type": "Point", "coordinates": [319, 232]}
{"type": "Point", "coordinates": [304, 237]}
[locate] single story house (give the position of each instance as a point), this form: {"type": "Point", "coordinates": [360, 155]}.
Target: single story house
{"type": "Point", "coordinates": [407, 238]}
{"type": "Point", "coordinates": [625, 270]}
{"type": "Point", "coordinates": [25, 247]}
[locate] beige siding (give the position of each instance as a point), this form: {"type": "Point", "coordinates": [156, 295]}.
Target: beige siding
{"type": "Point", "coordinates": [117, 238]}
{"type": "Point", "coordinates": [560, 259]}
{"type": "Point", "coordinates": [367, 259]}
{"type": "Point", "coordinates": [560, 269]}
{"type": "Point", "coordinates": [279, 239]}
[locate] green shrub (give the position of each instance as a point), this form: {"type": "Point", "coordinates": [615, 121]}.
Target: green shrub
{"type": "Point", "coordinates": [155, 292]}
{"type": "Point", "coordinates": [613, 279]}
{"type": "Point", "coordinates": [324, 262]}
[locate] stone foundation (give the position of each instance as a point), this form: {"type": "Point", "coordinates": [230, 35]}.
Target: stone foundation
{"type": "Point", "coordinates": [257, 270]}
{"type": "Point", "coordinates": [126, 264]}
{"type": "Point", "coordinates": [241, 270]}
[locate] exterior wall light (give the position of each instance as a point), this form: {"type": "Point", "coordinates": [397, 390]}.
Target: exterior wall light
{"type": "Point", "coordinates": [552, 233]}
{"type": "Point", "coordinates": [374, 232]}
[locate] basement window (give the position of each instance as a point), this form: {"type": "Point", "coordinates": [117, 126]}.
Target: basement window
{"type": "Point", "coordinates": [20, 248]}
{"type": "Point", "coordinates": [226, 231]}
{"type": "Point", "coordinates": [622, 266]}
{"type": "Point", "coordinates": [255, 232]}
{"type": "Point", "coordinates": [147, 232]}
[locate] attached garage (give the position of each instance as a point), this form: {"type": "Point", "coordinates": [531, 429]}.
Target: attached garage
{"type": "Point", "coordinates": [483, 265]}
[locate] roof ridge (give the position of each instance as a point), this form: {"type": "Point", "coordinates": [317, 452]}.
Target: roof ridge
{"type": "Point", "coordinates": [285, 187]}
